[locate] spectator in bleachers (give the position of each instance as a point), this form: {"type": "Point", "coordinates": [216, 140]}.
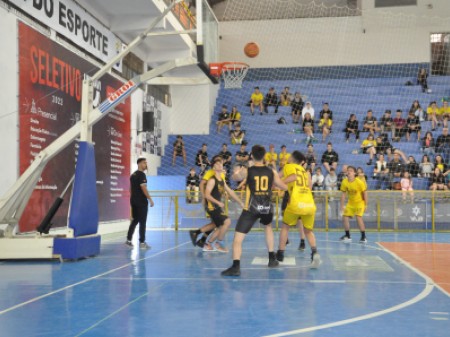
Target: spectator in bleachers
{"type": "Point", "coordinates": [432, 115]}
{"type": "Point", "coordinates": [351, 126]}
{"type": "Point", "coordinates": [399, 126]}
{"type": "Point", "coordinates": [426, 167]}
{"type": "Point", "coordinates": [271, 99]}
{"type": "Point", "coordinates": [406, 184]}
{"type": "Point", "coordinates": [383, 146]}
{"type": "Point", "coordinates": [342, 175]}
{"type": "Point", "coordinates": [297, 105]}
{"type": "Point", "coordinates": [308, 127]}
{"type": "Point", "coordinates": [412, 125]}
{"type": "Point", "coordinates": [429, 145]}
{"type": "Point", "coordinates": [283, 156]}
{"type": "Point", "coordinates": [311, 158]}
{"type": "Point", "coordinates": [271, 157]}
{"type": "Point", "coordinates": [227, 158]}
{"type": "Point", "coordinates": [192, 186]}
{"type": "Point", "coordinates": [386, 122]}
{"type": "Point", "coordinates": [178, 150]}
{"type": "Point", "coordinates": [370, 123]}
{"type": "Point", "coordinates": [256, 100]}
{"type": "Point", "coordinates": [325, 125]}
{"type": "Point", "coordinates": [201, 159]}
{"type": "Point", "coordinates": [224, 119]}
{"type": "Point", "coordinates": [422, 79]}
{"type": "Point", "coordinates": [318, 180]}
{"type": "Point", "coordinates": [417, 110]}
{"type": "Point", "coordinates": [361, 175]}
{"type": "Point", "coordinates": [285, 97]}
{"type": "Point", "coordinates": [443, 144]}
{"type": "Point", "coordinates": [413, 167]}
{"type": "Point", "coordinates": [330, 158]}
{"type": "Point", "coordinates": [439, 163]}
{"type": "Point", "coordinates": [396, 169]}
{"type": "Point", "coordinates": [438, 181]}
{"type": "Point", "coordinates": [381, 173]}
{"type": "Point", "coordinates": [237, 135]}
{"type": "Point", "coordinates": [368, 146]}
{"type": "Point", "coordinates": [445, 111]}
{"type": "Point", "coordinates": [331, 180]}
{"type": "Point", "coordinates": [308, 108]}
{"type": "Point", "coordinates": [242, 156]}
{"type": "Point", "coordinates": [235, 115]}
{"type": "Point", "coordinates": [326, 110]}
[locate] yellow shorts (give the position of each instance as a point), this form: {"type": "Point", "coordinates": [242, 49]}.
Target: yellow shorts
{"type": "Point", "coordinates": [291, 219]}
{"type": "Point", "coordinates": [354, 210]}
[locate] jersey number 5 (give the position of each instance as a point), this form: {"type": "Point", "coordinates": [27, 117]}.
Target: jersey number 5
{"type": "Point", "coordinates": [302, 177]}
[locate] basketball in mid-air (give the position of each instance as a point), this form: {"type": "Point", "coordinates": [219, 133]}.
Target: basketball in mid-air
{"type": "Point", "coordinates": [251, 49]}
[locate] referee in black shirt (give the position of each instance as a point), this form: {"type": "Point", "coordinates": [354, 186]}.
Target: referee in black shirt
{"type": "Point", "coordinates": [139, 206]}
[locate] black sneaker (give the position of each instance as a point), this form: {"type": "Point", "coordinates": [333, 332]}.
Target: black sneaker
{"type": "Point", "coordinates": [369, 162]}
{"type": "Point", "coordinates": [232, 271]}
{"type": "Point", "coordinates": [302, 245]}
{"type": "Point", "coordinates": [287, 241]}
{"type": "Point", "coordinates": [129, 244]}
{"type": "Point", "coordinates": [200, 243]}
{"type": "Point", "coordinates": [273, 263]}
{"type": "Point", "coordinates": [280, 255]}
{"type": "Point", "coordinates": [193, 234]}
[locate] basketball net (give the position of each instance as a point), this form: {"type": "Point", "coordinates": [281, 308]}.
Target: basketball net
{"type": "Point", "coordinates": [233, 73]}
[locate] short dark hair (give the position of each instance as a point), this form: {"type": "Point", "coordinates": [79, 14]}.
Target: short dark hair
{"type": "Point", "coordinates": [216, 158]}
{"type": "Point", "coordinates": [283, 146]}
{"type": "Point", "coordinates": [329, 143]}
{"type": "Point", "coordinates": [204, 144]}
{"type": "Point", "coordinates": [140, 159]}
{"type": "Point", "coordinates": [399, 110]}
{"type": "Point", "coordinates": [350, 167]}
{"type": "Point", "coordinates": [224, 144]}
{"type": "Point", "coordinates": [387, 111]}
{"type": "Point", "coordinates": [258, 152]}
{"type": "Point", "coordinates": [257, 88]}
{"type": "Point", "coordinates": [298, 157]}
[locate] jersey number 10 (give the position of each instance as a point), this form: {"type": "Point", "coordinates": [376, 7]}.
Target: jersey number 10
{"type": "Point", "coordinates": [261, 183]}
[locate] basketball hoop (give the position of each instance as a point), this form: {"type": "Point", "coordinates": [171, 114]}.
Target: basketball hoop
{"type": "Point", "coordinates": [233, 73]}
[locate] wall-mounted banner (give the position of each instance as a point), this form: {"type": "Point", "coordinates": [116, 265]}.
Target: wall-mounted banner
{"type": "Point", "coordinates": [70, 20]}
{"type": "Point", "coordinates": [50, 79]}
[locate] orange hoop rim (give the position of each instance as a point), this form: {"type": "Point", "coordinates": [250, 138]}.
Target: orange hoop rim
{"type": "Point", "coordinates": [235, 65]}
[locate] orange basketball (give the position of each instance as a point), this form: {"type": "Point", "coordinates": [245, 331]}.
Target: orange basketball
{"type": "Point", "coordinates": [251, 49]}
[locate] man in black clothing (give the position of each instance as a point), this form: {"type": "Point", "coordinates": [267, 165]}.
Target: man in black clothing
{"type": "Point", "coordinates": [396, 168]}
{"type": "Point", "coordinates": [341, 176]}
{"type": "Point", "coordinates": [326, 110]}
{"type": "Point", "coordinates": [201, 158]}
{"type": "Point", "coordinates": [242, 156]}
{"type": "Point", "coordinates": [260, 179]}
{"type": "Point", "coordinates": [192, 186]}
{"type": "Point", "coordinates": [271, 99]}
{"type": "Point", "coordinates": [330, 158]}
{"type": "Point", "coordinates": [386, 121]}
{"type": "Point", "coordinates": [443, 144]}
{"type": "Point", "coordinates": [227, 157]}
{"type": "Point", "coordinates": [139, 205]}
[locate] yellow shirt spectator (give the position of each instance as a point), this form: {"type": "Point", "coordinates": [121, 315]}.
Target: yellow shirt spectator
{"type": "Point", "coordinates": [284, 156]}
{"type": "Point", "coordinates": [327, 123]}
{"type": "Point", "coordinates": [433, 111]}
{"type": "Point", "coordinates": [271, 158]}
{"type": "Point", "coordinates": [368, 143]}
{"type": "Point", "coordinates": [257, 98]}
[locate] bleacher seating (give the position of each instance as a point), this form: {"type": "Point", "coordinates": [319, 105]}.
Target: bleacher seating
{"type": "Point", "coordinates": [345, 96]}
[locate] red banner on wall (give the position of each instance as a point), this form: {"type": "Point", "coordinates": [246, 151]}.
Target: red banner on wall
{"type": "Point", "coordinates": [49, 104]}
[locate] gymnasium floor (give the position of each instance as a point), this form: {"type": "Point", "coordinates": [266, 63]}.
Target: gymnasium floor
{"type": "Point", "coordinates": [397, 285]}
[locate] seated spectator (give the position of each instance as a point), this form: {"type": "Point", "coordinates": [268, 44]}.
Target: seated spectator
{"type": "Point", "coordinates": [178, 150]}
{"type": "Point", "coordinates": [224, 119]}
{"type": "Point", "coordinates": [331, 181]}
{"type": "Point", "coordinates": [383, 146]}
{"type": "Point", "coordinates": [201, 159]}
{"type": "Point", "coordinates": [330, 158]}
{"type": "Point", "coordinates": [370, 123]}
{"type": "Point", "coordinates": [426, 167]}
{"type": "Point", "coordinates": [285, 97]}
{"type": "Point", "coordinates": [283, 156]}
{"type": "Point", "coordinates": [308, 127]}
{"type": "Point", "coordinates": [432, 115]}
{"type": "Point", "coordinates": [192, 186]}
{"type": "Point", "coordinates": [227, 158]}
{"type": "Point", "coordinates": [443, 144]}
{"type": "Point", "coordinates": [439, 163]}
{"type": "Point", "coordinates": [381, 173]}
{"type": "Point", "coordinates": [256, 101]}
{"type": "Point", "coordinates": [399, 126]}
{"type": "Point", "coordinates": [422, 79]}
{"type": "Point", "coordinates": [326, 110]}
{"type": "Point", "coordinates": [342, 175]}
{"type": "Point", "coordinates": [412, 125]}
{"type": "Point", "coordinates": [242, 156]}
{"type": "Point", "coordinates": [412, 167]}
{"type": "Point", "coordinates": [235, 115]}
{"type": "Point", "coordinates": [237, 135]}
{"type": "Point", "coordinates": [361, 175]}
{"type": "Point", "coordinates": [351, 126]}
{"type": "Point", "coordinates": [369, 146]}
{"type": "Point", "coordinates": [417, 110]}
{"type": "Point", "coordinates": [271, 157]}
{"type": "Point", "coordinates": [325, 125]}
{"type": "Point", "coordinates": [428, 145]}
{"type": "Point", "coordinates": [271, 99]}
{"type": "Point", "coordinates": [438, 181]}
{"type": "Point", "coordinates": [297, 107]}
{"type": "Point", "coordinates": [386, 122]}
{"type": "Point", "coordinates": [445, 112]}
{"type": "Point", "coordinates": [396, 169]}
{"type": "Point", "coordinates": [318, 180]}
{"type": "Point", "coordinates": [311, 158]}
{"type": "Point", "coordinates": [308, 108]}
{"type": "Point", "coordinates": [406, 184]}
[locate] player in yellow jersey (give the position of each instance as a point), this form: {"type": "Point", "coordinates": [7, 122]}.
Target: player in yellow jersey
{"type": "Point", "coordinates": [301, 205]}
{"type": "Point", "coordinates": [356, 190]}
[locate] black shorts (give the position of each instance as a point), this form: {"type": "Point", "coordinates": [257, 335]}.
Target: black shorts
{"type": "Point", "coordinates": [217, 216]}
{"type": "Point", "coordinates": [285, 201]}
{"type": "Point", "coordinates": [414, 130]}
{"type": "Point", "coordinates": [247, 220]}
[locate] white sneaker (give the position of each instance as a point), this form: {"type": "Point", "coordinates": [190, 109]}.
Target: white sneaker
{"type": "Point", "coordinates": [209, 248]}
{"type": "Point", "coordinates": [345, 239]}
{"type": "Point", "coordinates": [316, 261]}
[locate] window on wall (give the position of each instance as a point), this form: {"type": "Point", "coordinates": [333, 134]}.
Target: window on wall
{"type": "Point", "coordinates": [440, 53]}
{"type": "Point", "coordinates": [132, 66]}
{"type": "Point", "coordinates": [395, 3]}
{"type": "Point", "coordinates": [161, 93]}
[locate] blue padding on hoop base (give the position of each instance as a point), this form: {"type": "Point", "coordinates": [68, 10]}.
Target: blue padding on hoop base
{"type": "Point", "coordinates": [77, 248]}
{"type": "Point", "coordinates": [83, 217]}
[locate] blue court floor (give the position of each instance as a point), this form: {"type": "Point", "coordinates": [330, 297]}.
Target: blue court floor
{"type": "Point", "coordinates": [174, 289]}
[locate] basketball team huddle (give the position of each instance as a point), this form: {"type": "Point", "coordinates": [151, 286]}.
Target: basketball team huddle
{"type": "Point", "coordinates": [299, 208]}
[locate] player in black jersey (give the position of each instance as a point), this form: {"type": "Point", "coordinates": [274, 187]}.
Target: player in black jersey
{"type": "Point", "coordinates": [258, 205]}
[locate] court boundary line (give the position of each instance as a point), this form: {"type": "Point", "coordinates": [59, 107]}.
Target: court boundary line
{"type": "Point", "coordinates": [38, 298]}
